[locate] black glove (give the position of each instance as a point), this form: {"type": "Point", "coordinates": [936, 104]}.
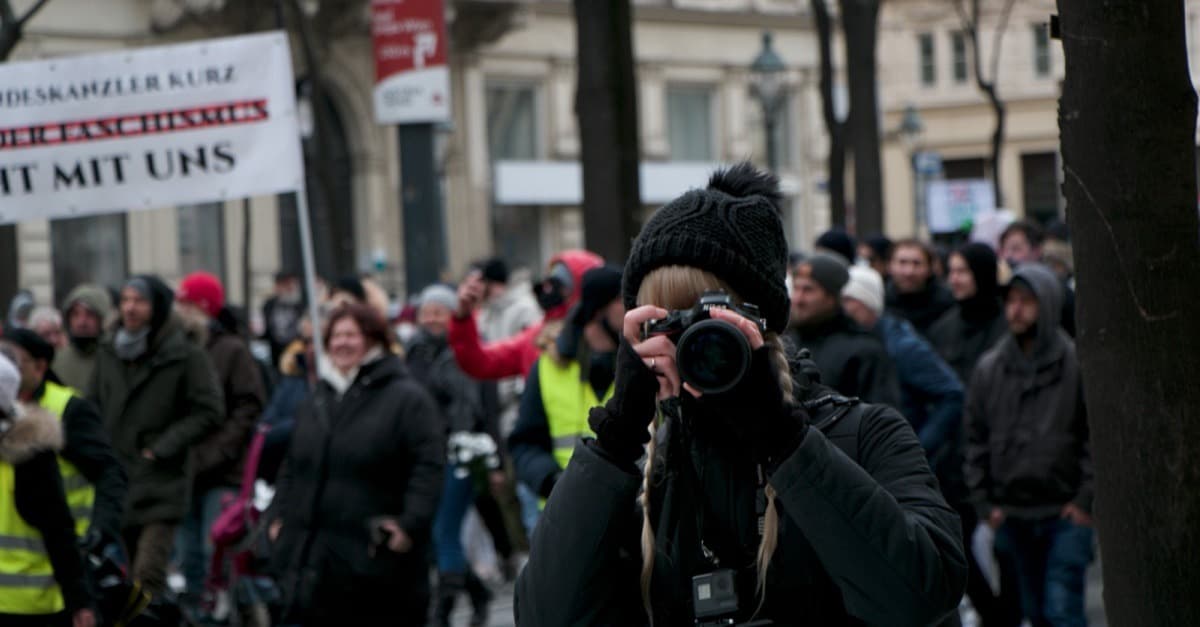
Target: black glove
{"type": "Point", "coordinates": [621, 425]}
{"type": "Point", "coordinates": [754, 411]}
{"type": "Point", "coordinates": [95, 540]}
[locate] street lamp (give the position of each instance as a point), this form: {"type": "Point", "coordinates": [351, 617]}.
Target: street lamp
{"type": "Point", "coordinates": [766, 85]}
{"type": "Point", "coordinates": [910, 131]}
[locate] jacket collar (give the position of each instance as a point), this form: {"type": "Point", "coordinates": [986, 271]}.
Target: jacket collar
{"type": "Point", "coordinates": [33, 432]}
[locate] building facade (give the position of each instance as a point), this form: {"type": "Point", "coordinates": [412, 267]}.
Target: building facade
{"type": "Point", "coordinates": [509, 158]}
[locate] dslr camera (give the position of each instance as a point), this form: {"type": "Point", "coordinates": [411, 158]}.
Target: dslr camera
{"type": "Point", "coordinates": [712, 355]}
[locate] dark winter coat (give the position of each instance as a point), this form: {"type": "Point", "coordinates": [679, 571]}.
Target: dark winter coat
{"type": "Point", "coordinates": [851, 359]}
{"type": "Point", "coordinates": [90, 450]}
{"type": "Point", "coordinates": [869, 542]}
{"type": "Point", "coordinates": [962, 339]}
{"type": "Point", "coordinates": [40, 499]}
{"type": "Point", "coordinates": [282, 323]}
{"type": "Point", "coordinates": [432, 364]}
{"type": "Point", "coordinates": [921, 308]}
{"type": "Point", "coordinates": [220, 457]}
{"type": "Point", "coordinates": [1027, 433]}
{"type": "Point", "coordinates": [376, 451]}
{"type": "Point", "coordinates": [166, 401]}
{"type": "Point", "coordinates": [931, 399]}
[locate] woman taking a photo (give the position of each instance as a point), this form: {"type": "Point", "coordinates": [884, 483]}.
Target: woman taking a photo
{"type": "Point", "coordinates": [357, 493]}
{"type": "Point", "coordinates": [772, 500]}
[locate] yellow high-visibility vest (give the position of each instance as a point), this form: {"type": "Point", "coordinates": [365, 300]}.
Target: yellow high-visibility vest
{"type": "Point", "coordinates": [566, 400]}
{"type": "Point", "coordinates": [27, 584]}
{"type": "Point", "coordinates": [81, 495]}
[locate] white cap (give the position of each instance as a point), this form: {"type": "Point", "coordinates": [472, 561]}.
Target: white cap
{"type": "Point", "coordinates": [865, 286]}
{"type": "Point", "coordinates": [10, 385]}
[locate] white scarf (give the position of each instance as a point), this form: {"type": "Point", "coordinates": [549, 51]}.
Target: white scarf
{"type": "Point", "coordinates": [341, 381]}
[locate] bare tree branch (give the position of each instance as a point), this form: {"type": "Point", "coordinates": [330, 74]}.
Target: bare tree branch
{"type": "Point", "coordinates": [37, 6]}
{"type": "Point", "coordinates": [998, 37]}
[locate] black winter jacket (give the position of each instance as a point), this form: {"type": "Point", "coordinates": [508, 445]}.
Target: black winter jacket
{"type": "Point", "coordinates": [851, 359]}
{"type": "Point", "coordinates": [921, 308]}
{"type": "Point", "coordinates": [1027, 433]}
{"type": "Point", "coordinates": [961, 336]}
{"type": "Point", "coordinates": [867, 541]}
{"type": "Point", "coordinates": [377, 451]}
{"type": "Point", "coordinates": [166, 401]}
{"type": "Point", "coordinates": [89, 449]}
{"type": "Point", "coordinates": [432, 364]}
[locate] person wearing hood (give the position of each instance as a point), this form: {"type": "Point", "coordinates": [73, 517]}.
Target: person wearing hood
{"type": "Point", "coordinates": [93, 478]}
{"type": "Point", "coordinates": [575, 375]}
{"type": "Point", "coordinates": [461, 400]}
{"type": "Point", "coordinates": [914, 292]}
{"type": "Point", "coordinates": [961, 337]}
{"type": "Point", "coordinates": [516, 355]}
{"type": "Point", "coordinates": [774, 501]}
{"type": "Point", "coordinates": [1024, 242]}
{"type": "Point", "coordinates": [354, 504]}
{"type": "Point", "coordinates": [159, 397]}
{"type": "Point", "coordinates": [852, 360]}
{"type": "Point", "coordinates": [1029, 466]}
{"type": "Point", "coordinates": [87, 309]}
{"type": "Point", "coordinates": [965, 332]}
{"type": "Point", "coordinates": [217, 461]}
{"type": "Point", "coordinates": [42, 580]}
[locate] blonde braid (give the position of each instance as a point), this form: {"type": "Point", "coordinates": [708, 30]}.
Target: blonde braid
{"type": "Point", "coordinates": [647, 529]}
{"type": "Point", "coordinates": [770, 535]}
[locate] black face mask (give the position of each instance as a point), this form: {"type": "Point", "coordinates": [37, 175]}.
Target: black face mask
{"type": "Point", "coordinates": [85, 344]}
{"type": "Point", "coordinates": [550, 293]}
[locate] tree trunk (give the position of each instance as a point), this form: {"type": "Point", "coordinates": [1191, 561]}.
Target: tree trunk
{"type": "Point", "coordinates": [997, 140]}
{"type": "Point", "coordinates": [860, 24]}
{"type": "Point", "coordinates": [836, 164]}
{"type": "Point", "coordinates": [606, 107]}
{"type": "Point", "coordinates": [1128, 122]}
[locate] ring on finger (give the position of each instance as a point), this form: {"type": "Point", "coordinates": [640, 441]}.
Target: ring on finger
{"type": "Point", "coordinates": [652, 363]}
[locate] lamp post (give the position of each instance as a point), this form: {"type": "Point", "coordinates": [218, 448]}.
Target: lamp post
{"type": "Point", "coordinates": [766, 85]}
{"type": "Point", "coordinates": [910, 131]}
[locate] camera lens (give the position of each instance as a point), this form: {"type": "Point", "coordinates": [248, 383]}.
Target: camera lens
{"type": "Point", "coordinates": [713, 356]}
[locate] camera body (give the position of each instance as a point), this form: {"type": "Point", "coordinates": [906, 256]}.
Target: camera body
{"type": "Point", "coordinates": [712, 355]}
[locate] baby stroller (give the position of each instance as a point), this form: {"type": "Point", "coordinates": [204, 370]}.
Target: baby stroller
{"type": "Point", "coordinates": [236, 535]}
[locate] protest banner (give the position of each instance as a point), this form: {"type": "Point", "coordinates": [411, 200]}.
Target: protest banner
{"type": "Point", "coordinates": [151, 127]}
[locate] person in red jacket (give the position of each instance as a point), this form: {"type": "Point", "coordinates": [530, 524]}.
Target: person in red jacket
{"type": "Point", "coordinates": [515, 356]}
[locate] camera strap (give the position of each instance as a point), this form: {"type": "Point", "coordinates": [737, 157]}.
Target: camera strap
{"type": "Point", "coordinates": [760, 507]}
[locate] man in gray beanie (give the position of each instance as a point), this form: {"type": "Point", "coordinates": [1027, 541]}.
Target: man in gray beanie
{"type": "Point", "coordinates": [852, 360]}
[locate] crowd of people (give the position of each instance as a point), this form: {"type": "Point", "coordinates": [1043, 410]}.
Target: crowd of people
{"type": "Point", "coordinates": [898, 401]}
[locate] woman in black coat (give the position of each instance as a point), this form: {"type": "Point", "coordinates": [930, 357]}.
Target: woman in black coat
{"type": "Point", "coordinates": [358, 491]}
{"type": "Point", "coordinates": [838, 523]}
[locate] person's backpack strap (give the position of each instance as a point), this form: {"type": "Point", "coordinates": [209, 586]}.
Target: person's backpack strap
{"type": "Point", "coordinates": [838, 417]}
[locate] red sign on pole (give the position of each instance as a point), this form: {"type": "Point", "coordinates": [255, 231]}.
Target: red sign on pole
{"type": "Point", "coordinates": [412, 80]}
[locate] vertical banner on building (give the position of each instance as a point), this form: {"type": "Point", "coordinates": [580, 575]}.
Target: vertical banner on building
{"type": "Point", "coordinates": [152, 127]}
{"type": "Point", "coordinates": [412, 81]}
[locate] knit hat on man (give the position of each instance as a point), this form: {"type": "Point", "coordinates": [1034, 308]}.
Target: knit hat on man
{"type": "Point", "coordinates": [732, 229]}
{"type": "Point", "coordinates": [438, 294]}
{"type": "Point", "coordinates": [204, 291]}
{"type": "Point", "coordinates": [866, 287]}
{"type": "Point", "coordinates": [838, 241]}
{"type": "Point", "coordinates": [827, 270]}
{"type": "Point", "coordinates": [31, 343]}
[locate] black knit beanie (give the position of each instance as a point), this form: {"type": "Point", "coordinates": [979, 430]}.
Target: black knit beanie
{"type": "Point", "coordinates": [840, 242]}
{"type": "Point", "coordinates": [731, 229]}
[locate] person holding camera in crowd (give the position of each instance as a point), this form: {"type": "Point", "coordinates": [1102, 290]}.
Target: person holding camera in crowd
{"type": "Point", "coordinates": [354, 505]}
{"type": "Point", "coordinates": [764, 496]}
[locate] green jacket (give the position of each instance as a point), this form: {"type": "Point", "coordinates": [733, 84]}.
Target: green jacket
{"type": "Point", "coordinates": [166, 401]}
{"type": "Point", "coordinates": [73, 364]}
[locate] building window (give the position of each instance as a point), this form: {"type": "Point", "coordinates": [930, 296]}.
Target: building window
{"type": "Point", "coordinates": [1041, 50]}
{"type": "Point", "coordinates": [928, 63]}
{"type": "Point", "coordinates": [1040, 188]}
{"type": "Point", "coordinates": [88, 250]}
{"type": "Point", "coordinates": [690, 123]}
{"type": "Point", "coordinates": [958, 42]}
{"type": "Point", "coordinates": [968, 168]}
{"type": "Point", "coordinates": [201, 231]}
{"type": "Point", "coordinates": [513, 136]}
{"type": "Point", "coordinates": [512, 122]}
